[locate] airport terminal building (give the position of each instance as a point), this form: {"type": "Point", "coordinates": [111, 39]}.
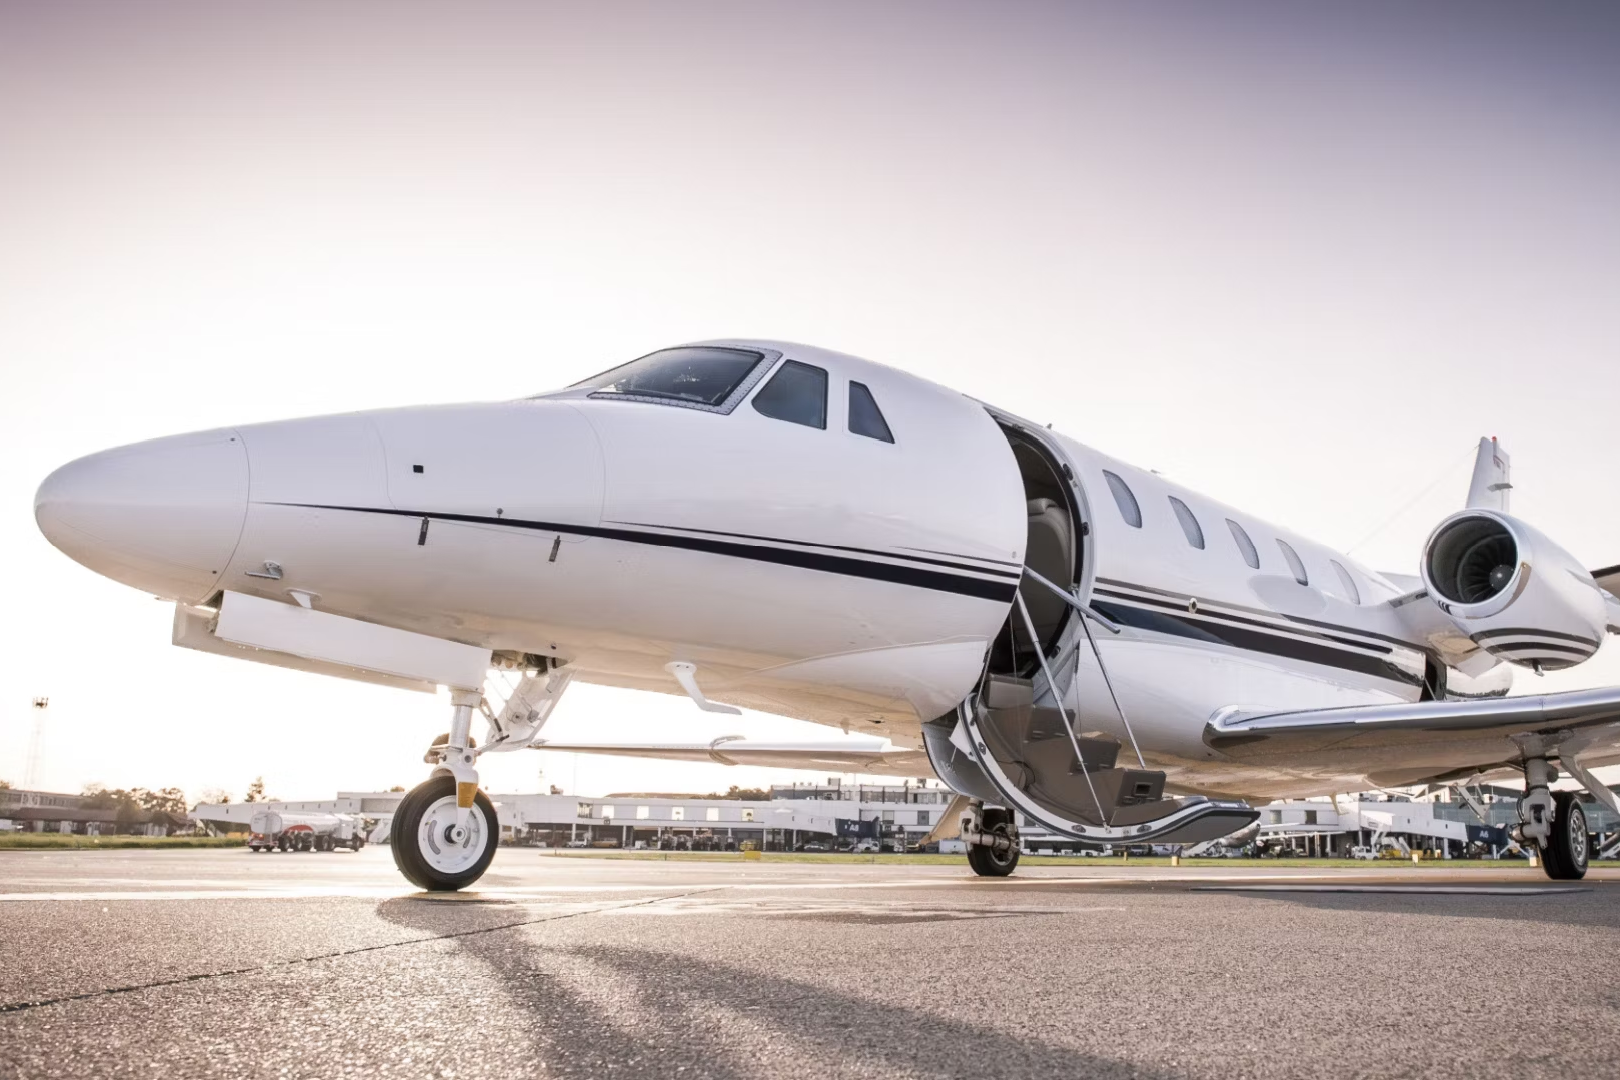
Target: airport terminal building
{"type": "Point", "coordinates": [831, 815]}
{"type": "Point", "coordinates": [79, 815]}
{"type": "Point", "coordinates": [836, 815]}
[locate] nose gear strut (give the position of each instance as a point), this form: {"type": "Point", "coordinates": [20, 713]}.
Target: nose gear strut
{"type": "Point", "coordinates": [445, 830]}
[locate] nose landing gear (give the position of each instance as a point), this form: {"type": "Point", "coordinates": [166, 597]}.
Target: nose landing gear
{"type": "Point", "coordinates": [445, 832]}
{"type": "Point", "coordinates": [431, 845]}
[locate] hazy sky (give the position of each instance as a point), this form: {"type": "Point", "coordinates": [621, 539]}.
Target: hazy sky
{"type": "Point", "coordinates": [1298, 259]}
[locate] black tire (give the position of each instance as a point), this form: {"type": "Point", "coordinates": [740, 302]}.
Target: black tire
{"type": "Point", "coordinates": [986, 861]}
{"type": "Point", "coordinates": [449, 866]}
{"type": "Point", "coordinates": [1569, 849]}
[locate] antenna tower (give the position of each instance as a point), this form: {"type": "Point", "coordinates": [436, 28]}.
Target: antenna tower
{"type": "Point", "coordinates": [31, 775]}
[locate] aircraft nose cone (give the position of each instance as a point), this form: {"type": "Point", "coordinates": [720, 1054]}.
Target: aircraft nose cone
{"type": "Point", "coordinates": [163, 516]}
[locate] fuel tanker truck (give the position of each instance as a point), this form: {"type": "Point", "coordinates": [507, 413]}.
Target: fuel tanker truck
{"type": "Point", "coordinates": [291, 830]}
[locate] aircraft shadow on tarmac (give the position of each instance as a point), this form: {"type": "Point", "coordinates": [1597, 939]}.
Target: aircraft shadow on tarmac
{"type": "Point", "coordinates": [666, 988]}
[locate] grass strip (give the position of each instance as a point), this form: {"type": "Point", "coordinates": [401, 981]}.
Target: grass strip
{"type": "Point", "coordinates": [69, 842]}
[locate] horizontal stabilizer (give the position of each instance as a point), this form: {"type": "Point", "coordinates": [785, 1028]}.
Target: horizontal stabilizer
{"type": "Point", "coordinates": [1608, 579]}
{"type": "Point", "coordinates": [878, 757]}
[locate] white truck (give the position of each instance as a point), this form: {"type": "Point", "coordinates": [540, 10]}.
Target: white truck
{"type": "Point", "coordinates": [288, 830]}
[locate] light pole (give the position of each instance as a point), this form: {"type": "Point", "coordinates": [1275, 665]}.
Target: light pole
{"type": "Point", "coordinates": [42, 705]}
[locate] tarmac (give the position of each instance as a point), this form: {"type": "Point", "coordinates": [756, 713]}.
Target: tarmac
{"type": "Point", "coordinates": [225, 963]}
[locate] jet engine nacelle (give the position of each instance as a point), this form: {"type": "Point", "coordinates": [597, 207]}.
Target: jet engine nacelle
{"type": "Point", "coordinates": [1515, 593]}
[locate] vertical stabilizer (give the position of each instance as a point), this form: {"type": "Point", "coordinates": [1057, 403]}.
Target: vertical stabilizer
{"type": "Point", "coordinates": [1491, 485]}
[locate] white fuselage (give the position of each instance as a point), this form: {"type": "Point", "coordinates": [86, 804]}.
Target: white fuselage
{"type": "Point", "coordinates": [812, 572]}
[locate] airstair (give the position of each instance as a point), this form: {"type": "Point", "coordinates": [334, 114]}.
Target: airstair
{"type": "Point", "coordinates": [1013, 744]}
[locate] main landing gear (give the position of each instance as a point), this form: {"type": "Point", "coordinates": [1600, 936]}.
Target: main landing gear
{"type": "Point", "coordinates": [445, 832]}
{"type": "Point", "coordinates": [1554, 822]}
{"type": "Point", "coordinates": [992, 840]}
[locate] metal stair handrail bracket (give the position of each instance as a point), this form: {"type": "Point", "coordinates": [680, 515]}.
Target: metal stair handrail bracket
{"type": "Point", "coordinates": [1085, 613]}
{"type": "Point", "coordinates": [1057, 700]}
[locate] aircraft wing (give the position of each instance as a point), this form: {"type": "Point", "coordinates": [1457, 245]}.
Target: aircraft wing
{"type": "Point", "coordinates": [1425, 741]}
{"type": "Point", "coordinates": [874, 756]}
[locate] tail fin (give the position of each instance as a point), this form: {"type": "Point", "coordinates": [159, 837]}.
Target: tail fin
{"type": "Point", "coordinates": [1491, 485]}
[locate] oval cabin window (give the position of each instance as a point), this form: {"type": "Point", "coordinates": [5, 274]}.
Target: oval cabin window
{"type": "Point", "coordinates": [1294, 565]}
{"type": "Point", "coordinates": [1351, 593]}
{"type": "Point", "coordinates": [1189, 523]}
{"type": "Point", "coordinates": [1128, 508]}
{"type": "Point", "coordinates": [1251, 554]}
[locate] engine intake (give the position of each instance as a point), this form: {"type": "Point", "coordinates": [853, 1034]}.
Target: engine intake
{"type": "Point", "coordinates": [1515, 593]}
{"type": "Point", "coordinates": [1471, 559]}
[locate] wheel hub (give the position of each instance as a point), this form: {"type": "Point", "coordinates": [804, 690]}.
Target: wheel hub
{"type": "Point", "coordinates": [1576, 824]}
{"type": "Point", "coordinates": [446, 845]}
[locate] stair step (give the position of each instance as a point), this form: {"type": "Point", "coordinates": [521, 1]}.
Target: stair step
{"type": "Point", "coordinates": [1100, 754]}
{"type": "Point", "coordinates": [1007, 692]}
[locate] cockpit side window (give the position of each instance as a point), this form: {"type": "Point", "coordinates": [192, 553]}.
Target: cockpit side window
{"type": "Point", "coordinates": [797, 393]}
{"type": "Point", "coordinates": [706, 377]}
{"type": "Point", "coordinates": [865, 418]}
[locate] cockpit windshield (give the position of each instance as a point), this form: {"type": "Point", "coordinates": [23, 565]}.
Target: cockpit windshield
{"type": "Point", "coordinates": [697, 376]}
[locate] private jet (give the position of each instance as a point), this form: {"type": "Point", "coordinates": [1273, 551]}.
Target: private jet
{"type": "Point", "coordinates": [770, 526]}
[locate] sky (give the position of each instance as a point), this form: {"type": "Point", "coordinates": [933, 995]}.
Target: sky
{"type": "Point", "coordinates": [1299, 258]}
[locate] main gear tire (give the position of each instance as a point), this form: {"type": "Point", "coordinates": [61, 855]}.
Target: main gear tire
{"type": "Point", "coordinates": [424, 840]}
{"type": "Point", "coordinates": [1569, 849]}
{"type": "Point", "coordinates": [985, 860]}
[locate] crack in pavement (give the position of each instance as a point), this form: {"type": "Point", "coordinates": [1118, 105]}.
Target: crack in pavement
{"type": "Point", "coordinates": [181, 980]}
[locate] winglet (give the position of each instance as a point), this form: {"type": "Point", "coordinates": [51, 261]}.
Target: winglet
{"type": "Point", "coordinates": [1491, 484]}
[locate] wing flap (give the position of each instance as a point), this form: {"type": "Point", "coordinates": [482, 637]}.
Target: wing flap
{"type": "Point", "coordinates": [1428, 737]}
{"type": "Point", "coordinates": [1572, 710]}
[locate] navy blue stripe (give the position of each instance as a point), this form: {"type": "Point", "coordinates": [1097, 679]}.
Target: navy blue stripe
{"type": "Point", "coordinates": [1215, 633]}
{"type": "Point", "coordinates": [999, 571]}
{"type": "Point", "coordinates": [1514, 648]}
{"type": "Point", "coordinates": [1270, 614]}
{"type": "Point", "coordinates": [1203, 614]}
{"type": "Point", "coordinates": [1528, 632]}
{"type": "Point", "coordinates": [916, 576]}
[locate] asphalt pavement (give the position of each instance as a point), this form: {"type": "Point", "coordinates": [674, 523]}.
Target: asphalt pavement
{"type": "Point", "coordinates": [225, 963]}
